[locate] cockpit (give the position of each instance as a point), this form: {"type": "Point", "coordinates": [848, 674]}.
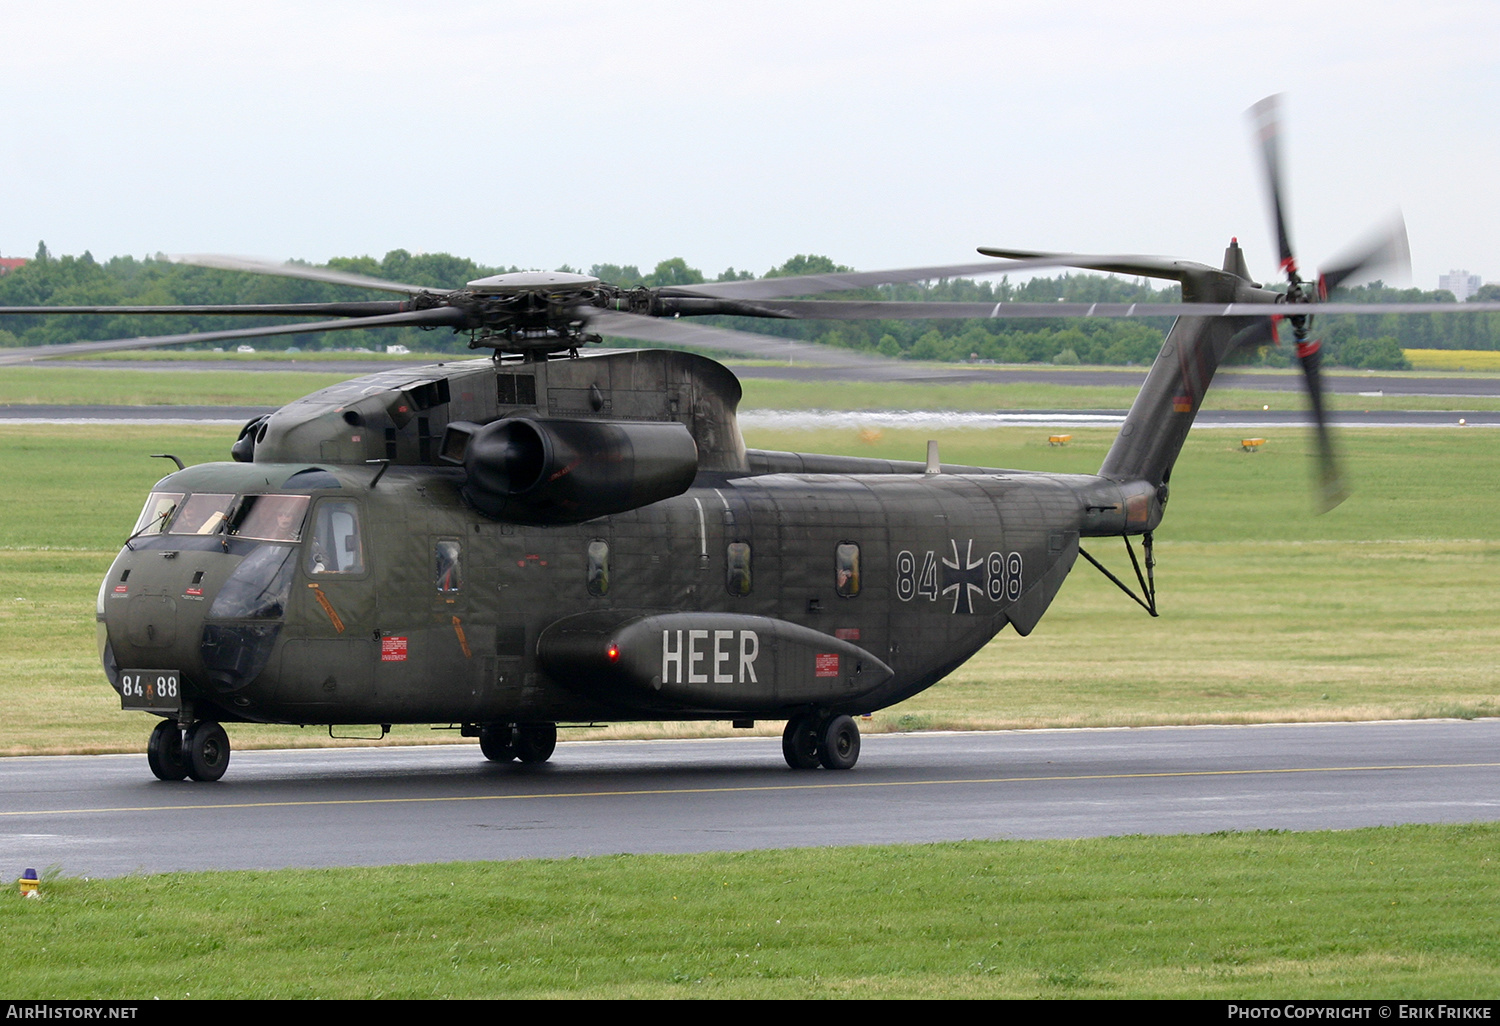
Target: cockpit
{"type": "Point", "coordinates": [214, 569]}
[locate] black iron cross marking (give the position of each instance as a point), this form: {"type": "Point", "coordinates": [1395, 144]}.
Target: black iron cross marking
{"type": "Point", "coordinates": [964, 579]}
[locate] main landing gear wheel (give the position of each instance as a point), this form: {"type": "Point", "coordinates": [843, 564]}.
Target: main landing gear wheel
{"type": "Point", "coordinates": [799, 743]}
{"type": "Point", "coordinates": [830, 741]}
{"type": "Point", "coordinates": [206, 751]}
{"type": "Point", "coordinates": [495, 742]}
{"type": "Point", "coordinates": [164, 752]}
{"type": "Point", "coordinates": [838, 743]}
{"type": "Point", "coordinates": [535, 741]}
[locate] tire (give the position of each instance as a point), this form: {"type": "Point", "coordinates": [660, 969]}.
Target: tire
{"type": "Point", "coordinates": [164, 752]}
{"type": "Point", "coordinates": [495, 742]}
{"type": "Point", "coordinates": [206, 751]}
{"type": "Point", "coordinates": [799, 743]}
{"type": "Point", "coordinates": [535, 741]}
{"type": "Point", "coordinates": [838, 743]}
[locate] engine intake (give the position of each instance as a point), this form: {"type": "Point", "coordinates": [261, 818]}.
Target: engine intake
{"type": "Point", "coordinates": [561, 471]}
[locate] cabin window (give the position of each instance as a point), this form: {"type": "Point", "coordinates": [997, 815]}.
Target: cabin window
{"type": "Point", "coordinates": [446, 569]}
{"type": "Point", "coordinates": [270, 517]}
{"type": "Point", "coordinates": [202, 514]}
{"type": "Point", "coordinates": [737, 568]}
{"type": "Point", "coordinates": [159, 509]}
{"type": "Point", "coordinates": [598, 570]}
{"type": "Point", "coordinates": [336, 547]}
{"type": "Point", "coordinates": [846, 569]}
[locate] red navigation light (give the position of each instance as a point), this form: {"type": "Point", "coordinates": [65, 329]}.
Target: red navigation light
{"type": "Point", "coordinates": [613, 651]}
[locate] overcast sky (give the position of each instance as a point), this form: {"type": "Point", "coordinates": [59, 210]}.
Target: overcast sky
{"type": "Point", "coordinates": [880, 134]}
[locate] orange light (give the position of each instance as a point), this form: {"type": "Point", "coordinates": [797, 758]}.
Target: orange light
{"type": "Point", "coordinates": [613, 651]}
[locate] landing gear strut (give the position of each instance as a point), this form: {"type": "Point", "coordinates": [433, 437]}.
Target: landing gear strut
{"type": "Point", "coordinates": [203, 753]}
{"type": "Point", "coordinates": [811, 741]}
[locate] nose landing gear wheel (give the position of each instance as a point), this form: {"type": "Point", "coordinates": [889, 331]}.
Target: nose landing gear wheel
{"type": "Point", "coordinates": [206, 751]}
{"type": "Point", "coordinates": [164, 752]}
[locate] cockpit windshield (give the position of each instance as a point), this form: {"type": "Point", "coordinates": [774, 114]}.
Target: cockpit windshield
{"type": "Point", "coordinates": [203, 513]}
{"type": "Point", "coordinates": [270, 517]}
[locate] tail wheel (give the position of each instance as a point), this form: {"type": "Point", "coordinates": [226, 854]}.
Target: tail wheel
{"type": "Point", "coordinates": [206, 751]}
{"type": "Point", "coordinates": [799, 743]}
{"type": "Point", "coordinates": [535, 741]}
{"type": "Point", "coordinates": [164, 752]}
{"type": "Point", "coordinates": [838, 743]}
{"type": "Point", "coordinates": [495, 741]}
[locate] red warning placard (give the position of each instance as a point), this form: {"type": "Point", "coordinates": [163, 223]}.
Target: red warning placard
{"type": "Point", "coordinates": [826, 664]}
{"type": "Point", "coordinates": [393, 650]}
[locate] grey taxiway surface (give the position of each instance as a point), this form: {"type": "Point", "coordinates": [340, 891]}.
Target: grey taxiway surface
{"type": "Point", "coordinates": [106, 815]}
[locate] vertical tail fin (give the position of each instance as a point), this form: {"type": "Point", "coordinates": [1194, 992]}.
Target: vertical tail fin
{"type": "Point", "coordinates": [1163, 412]}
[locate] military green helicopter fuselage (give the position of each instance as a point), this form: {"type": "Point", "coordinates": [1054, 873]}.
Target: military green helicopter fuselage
{"type": "Point", "coordinates": [311, 585]}
{"type": "Point", "coordinates": [502, 546]}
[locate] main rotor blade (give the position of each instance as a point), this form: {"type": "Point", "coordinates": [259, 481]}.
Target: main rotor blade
{"type": "Point", "coordinates": [435, 317]}
{"type": "Point", "coordinates": [838, 281]}
{"type": "Point", "coordinates": [860, 310]}
{"type": "Point", "coordinates": [1384, 248]}
{"type": "Point", "coordinates": [368, 309]}
{"type": "Point", "coordinates": [722, 340]}
{"type": "Point", "coordinates": [283, 270]}
{"type": "Point", "coordinates": [1266, 117]}
{"type": "Point", "coordinates": [1170, 268]}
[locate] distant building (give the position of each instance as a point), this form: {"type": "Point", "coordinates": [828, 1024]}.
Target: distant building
{"type": "Point", "coordinates": [8, 264]}
{"type": "Point", "coordinates": [1461, 283]}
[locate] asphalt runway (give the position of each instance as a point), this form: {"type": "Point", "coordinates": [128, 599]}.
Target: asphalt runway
{"type": "Point", "coordinates": [106, 815]}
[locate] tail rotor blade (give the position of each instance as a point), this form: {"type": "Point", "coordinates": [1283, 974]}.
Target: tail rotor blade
{"type": "Point", "coordinates": [1386, 248]}
{"type": "Point", "coordinates": [1266, 117]}
{"type": "Point", "coordinates": [1331, 488]}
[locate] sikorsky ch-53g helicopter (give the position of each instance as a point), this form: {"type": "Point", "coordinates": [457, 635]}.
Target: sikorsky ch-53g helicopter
{"type": "Point", "coordinates": [556, 536]}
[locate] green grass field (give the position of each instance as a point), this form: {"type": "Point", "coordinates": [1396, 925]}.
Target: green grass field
{"type": "Point", "coordinates": [1397, 912]}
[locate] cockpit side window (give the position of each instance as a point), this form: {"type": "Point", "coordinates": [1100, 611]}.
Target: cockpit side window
{"type": "Point", "coordinates": [270, 517]}
{"type": "Point", "coordinates": [337, 543]}
{"type": "Point", "coordinates": [204, 513]}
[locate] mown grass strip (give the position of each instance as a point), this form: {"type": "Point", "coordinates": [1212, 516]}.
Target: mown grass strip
{"type": "Point", "coordinates": [1393, 912]}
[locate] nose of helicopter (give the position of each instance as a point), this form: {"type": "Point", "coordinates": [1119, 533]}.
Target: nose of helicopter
{"type": "Point", "coordinates": [211, 615]}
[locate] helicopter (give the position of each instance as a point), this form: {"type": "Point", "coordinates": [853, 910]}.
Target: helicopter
{"type": "Point", "coordinates": [556, 534]}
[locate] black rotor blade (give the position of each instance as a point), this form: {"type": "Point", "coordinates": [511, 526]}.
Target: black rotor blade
{"type": "Point", "coordinates": [837, 281]}
{"type": "Point", "coordinates": [1385, 248]}
{"type": "Point", "coordinates": [1125, 263]}
{"type": "Point", "coordinates": [221, 262]}
{"type": "Point", "coordinates": [860, 310]}
{"type": "Point", "coordinates": [722, 340]}
{"type": "Point", "coordinates": [1331, 489]}
{"type": "Point", "coordinates": [435, 317]}
{"type": "Point", "coordinates": [1266, 117]}
{"type": "Point", "coordinates": [369, 309]}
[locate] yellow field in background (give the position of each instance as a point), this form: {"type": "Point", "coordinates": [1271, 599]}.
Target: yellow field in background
{"type": "Point", "coordinates": [1454, 359]}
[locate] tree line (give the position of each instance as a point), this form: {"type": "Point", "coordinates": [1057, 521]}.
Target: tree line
{"type": "Point", "coordinates": [126, 281]}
